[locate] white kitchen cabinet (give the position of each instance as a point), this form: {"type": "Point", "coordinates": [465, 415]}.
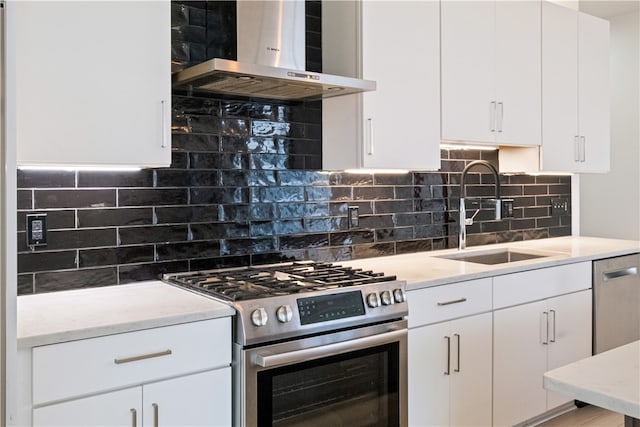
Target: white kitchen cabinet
{"type": "Point", "coordinates": [93, 83]}
{"type": "Point", "coordinates": [491, 72]}
{"type": "Point", "coordinates": [529, 340]}
{"type": "Point", "coordinates": [167, 376]}
{"type": "Point", "coordinates": [575, 97]}
{"type": "Point", "coordinates": [397, 45]}
{"type": "Point", "coordinates": [450, 362]}
{"type": "Point", "coordinates": [202, 399]}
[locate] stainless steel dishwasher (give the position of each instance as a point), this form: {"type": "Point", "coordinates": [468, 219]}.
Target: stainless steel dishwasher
{"type": "Point", "coordinates": [616, 302]}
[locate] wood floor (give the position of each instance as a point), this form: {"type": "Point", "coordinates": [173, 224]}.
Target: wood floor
{"type": "Point", "coordinates": [588, 416]}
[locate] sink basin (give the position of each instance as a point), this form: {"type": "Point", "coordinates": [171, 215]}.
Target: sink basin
{"type": "Point", "coordinates": [493, 257]}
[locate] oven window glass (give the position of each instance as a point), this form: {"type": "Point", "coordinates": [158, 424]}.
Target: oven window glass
{"type": "Point", "coordinates": [356, 389]}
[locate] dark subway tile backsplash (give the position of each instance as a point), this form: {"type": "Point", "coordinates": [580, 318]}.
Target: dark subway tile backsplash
{"type": "Point", "coordinates": [246, 186]}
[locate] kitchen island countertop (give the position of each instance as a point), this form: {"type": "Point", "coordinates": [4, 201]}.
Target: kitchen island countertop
{"type": "Point", "coordinates": [86, 313]}
{"type": "Point", "coordinates": [610, 380]}
{"type": "Point", "coordinates": [424, 269]}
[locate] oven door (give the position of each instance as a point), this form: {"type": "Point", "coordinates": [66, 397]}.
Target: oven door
{"type": "Point", "coordinates": [352, 378]}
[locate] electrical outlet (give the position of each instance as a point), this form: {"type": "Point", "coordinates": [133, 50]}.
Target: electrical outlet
{"type": "Point", "coordinates": [354, 217]}
{"type": "Point", "coordinates": [559, 206]}
{"type": "Point", "coordinates": [37, 230]}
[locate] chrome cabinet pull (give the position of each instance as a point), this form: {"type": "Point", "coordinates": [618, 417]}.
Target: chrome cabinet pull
{"type": "Point", "coordinates": [458, 361]}
{"type": "Point", "coordinates": [545, 327]}
{"type": "Point", "coordinates": [500, 115]}
{"type": "Point", "coordinates": [155, 414]}
{"type": "Point", "coordinates": [583, 146]}
{"type": "Point", "coordinates": [553, 325]}
{"type": "Point", "coordinates": [134, 418]}
{"type": "Point", "coordinates": [492, 116]}
{"type": "Point", "coordinates": [142, 357]}
{"type": "Point", "coordinates": [455, 301]}
{"type": "Point", "coordinates": [448, 371]}
{"type": "Point", "coordinates": [165, 128]}
{"type": "Point", "coordinates": [370, 138]}
{"type": "Point", "coordinates": [576, 148]}
{"type": "Point", "coordinates": [631, 271]}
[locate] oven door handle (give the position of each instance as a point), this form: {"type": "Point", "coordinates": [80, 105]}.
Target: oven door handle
{"type": "Point", "coordinates": [296, 356]}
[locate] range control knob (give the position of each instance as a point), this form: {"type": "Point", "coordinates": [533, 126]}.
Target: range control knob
{"type": "Point", "coordinates": [386, 298]}
{"type": "Point", "coordinates": [398, 295]}
{"type": "Point", "coordinates": [372, 300]}
{"type": "Point", "coordinates": [284, 313]}
{"type": "Point", "coordinates": [259, 317]}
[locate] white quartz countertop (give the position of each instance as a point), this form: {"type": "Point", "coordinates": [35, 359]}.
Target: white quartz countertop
{"type": "Point", "coordinates": [423, 269]}
{"type": "Point", "coordinates": [610, 380]}
{"type": "Point", "coordinates": [85, 313]}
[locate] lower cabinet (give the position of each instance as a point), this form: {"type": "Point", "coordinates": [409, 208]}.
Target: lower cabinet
{"type": "Point", "coordinates": [530, 339]}
{"type": "Point", "coordinates": [202, 399]}
{"type": "Point", "coordinates": [450, 373]}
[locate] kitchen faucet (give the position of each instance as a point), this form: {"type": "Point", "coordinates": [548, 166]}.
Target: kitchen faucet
{"type": "Point", "coordinates": [464, 221]}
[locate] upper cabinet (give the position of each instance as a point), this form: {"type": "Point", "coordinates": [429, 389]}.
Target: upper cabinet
{"type": "Point", "coordinates": [397, 44]}
{"type": "Point", "coordinates": [491, 72]}
{"type": "Point", "coordinates": [93, 83]}
{"type": "Point", "coordinates": [575, 97]}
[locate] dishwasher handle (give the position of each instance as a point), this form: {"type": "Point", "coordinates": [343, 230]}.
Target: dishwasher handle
{"type": "Point", "coordinates": [610, 275]}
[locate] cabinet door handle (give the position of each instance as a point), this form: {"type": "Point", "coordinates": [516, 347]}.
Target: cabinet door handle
{"type": "Point", "coordinates": [448, 371]}
{"type": "Point", "coordinates": [544, 325]}
{"type": "Point", "coordinates": [492, 116]}
{"type": "Point", "coordinates": [610, 275]}
{"type": "Point", "coordinates": [142, 357]}
{"type": "Point", "coordinates": [155, 414]}
{"type": "Point", "coordinates": [455, 301]}
{"type": "Point", "coordinates": [583, 145]}
{"type": "Point", "coordinates": [134, 417]}
{"type": "Point", "coordinates": [500, 116]}
{"type": "Point", "coordinates": [370, 136]}
{"type": "Point", "coordinates": [576, 148]}
{"type": "Point", "coordinates": [165, 127]}
{"type": "Point", "coordinates": [458, 358]}
{"type": "Point", "coordinates": [553, 325]}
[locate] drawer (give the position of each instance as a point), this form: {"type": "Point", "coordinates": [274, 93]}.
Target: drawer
{"type": "Point", "coordinates": [438, 303]}
{"type": "Point", "coordinates": [76, 368]}
{"type": "Point", "coordinates": [533, 285]}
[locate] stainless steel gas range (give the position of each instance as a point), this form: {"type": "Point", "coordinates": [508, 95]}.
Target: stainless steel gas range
{"type": "Point", "coordinates": [315, 344]}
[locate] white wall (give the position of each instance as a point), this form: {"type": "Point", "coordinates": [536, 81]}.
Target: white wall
{"type": "Point", "coordinates": [610, 203]}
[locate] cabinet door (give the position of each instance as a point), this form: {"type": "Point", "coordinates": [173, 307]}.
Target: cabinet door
{"type": "Point", "coordinates": [428, 379]}
{"type": "Point", "coordinates": [559, 88]}
{"type": "Point", "coordinates": [471, 377]}
{"type": "Point", "coordinates": [570, 339]}
{"type": "Point", "coordinates": [468, 70]}
{"type": "Point", "coordinates": [593, 96]}
{"type": "Point", "coordinates": [519, 361]}
{"type": "Point", "coordinates": [400, 51]}
{"type": "Point", "coordinates": [195, 400]}
{"type": "Point", "coordinates": [117, 409]}
{"type": "Point", "coordinates": [93, 83]}
{"type": "Point", "coordinates": [518, 56]}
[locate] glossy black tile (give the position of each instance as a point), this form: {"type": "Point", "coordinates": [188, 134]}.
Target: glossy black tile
{"type": "Point", "coordinates": [353, 179]}
{"type": "Point", "coordinates": [186, 214]}
{"type": "Point", "coordinates": [411, 246]}
{"type": "Point", "coordinates": [114, 217]}
{"type": "Point", "coordinates": [377, 221]}
{"type": "Point", "coordinates": [218, 195]}
{"type": "Point", "coordinates": [247, 246]}
{"type": "Point", "coordinates": [195, 105]}
{"type": "Point", "coordinates": [422, 218]}
{"type": "Point", "coordinates": [24, 199]}
{"type": "Point", "coordinates": [393, 206]}
{"type": "Point", "coordinates": [72, 239]}
{"type": "Point", "coordinates": [75, 279]}
{"type": "Point", "coordinates": [46, 179]}
{"type": "Point", "coordinates": [25, 284]}
{"type": "Point", "coordinates": [394, 234]}
{"type": "Point", "coordinates": [209, 143]}
{"type": "Point", "coordinates": [115, 256]}
{"type": "Point", "coordinates": [351, 237]}
{"type": "Point", "coordinates": [244, 178]}
{"type": "Point", "coordinates": [152, 197]}
{"type": "Point", "coordinates": [151, 271]}
{"type": "Point", "coordinates": [304, 241]}
{"type": "Point", "coordinates": [220, 230]}
{"type": "Point", "coordinates": [218, 161]}
{"type": "Point", "coordinates": [187, 250]}
{"type": "Point", "coordinates": [219, 262]}
{"type": "Point", "coordinates": [535, 189]}
{"type": "Point", "coordinates": [153, 234]}
{"type": "Point", "coordinates": [46, 261]}
{"type": "Point", "coordinates": [142, 178]}
{"type": "Point", "coordinates": [373, 250]}
{"type": "Point", "coordinates": [187, 178]}
{"type": "Point", "coordinates": [52, 199]}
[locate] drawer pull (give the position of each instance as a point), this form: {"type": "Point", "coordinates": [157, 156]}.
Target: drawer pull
{"type": "Point", "coordinates": [134, 418]}
{"type": "Point", "coordinates": [155, 414]}
{"type": "Point", "coordinates": [144, 356]}
{"type": "Point", "coordinates": [455, 301]}
{"type": "Point", "coordinates": [631, 271]}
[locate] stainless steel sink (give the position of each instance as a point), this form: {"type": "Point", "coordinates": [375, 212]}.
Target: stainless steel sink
{"type": "Point", "coordinates": [494, 256]}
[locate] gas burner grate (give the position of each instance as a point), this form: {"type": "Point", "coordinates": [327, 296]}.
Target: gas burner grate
{"type": "Point", "coordinates": [274, 280]}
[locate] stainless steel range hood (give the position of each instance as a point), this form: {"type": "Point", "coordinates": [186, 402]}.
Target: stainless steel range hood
{"type": "Point", "coordinates": [271, 59]}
